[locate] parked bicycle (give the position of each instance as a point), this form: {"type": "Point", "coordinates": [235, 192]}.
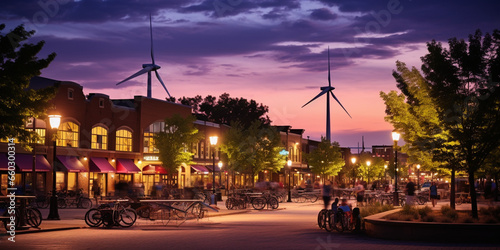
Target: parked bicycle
{"type": "Point", "coordinates": [111, 214]}
{"type": "Point", "coordinates": [74, 199]}
{"type": "Point", "coordinates": [267, 199]}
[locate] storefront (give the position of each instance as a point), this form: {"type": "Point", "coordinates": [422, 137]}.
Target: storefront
{"type": "Point", "coordinates": [153, 178]}
{"type": "Point", "coordinates": [71, 174]}
{"type": "Point", "coordinates": [126, 170]}
{"type": "Point", "coordinates": [101, 175]}
{"type": "Point", "coordinates": [24, 172]}
{"type": "Point", "coordinates": [199, 176]}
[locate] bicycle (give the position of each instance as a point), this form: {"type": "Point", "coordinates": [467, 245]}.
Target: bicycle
{"type": "Point", "coordinates": [258, 203]}
{"type": "Point", "coordinates": [343, 221]}
{"type": "Point", "coordinates": [79, 200]}
{"type": "Point", "coordinates": [110, 215]}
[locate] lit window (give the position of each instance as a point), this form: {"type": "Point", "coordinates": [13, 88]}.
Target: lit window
{"type": "Point", "coordinates": [149, 133]}
{"type": "Point", "coordinates": [123, 140]}
{"type": "Point", "coordinates": [67, 135]}
{"type": "Point", "coordinates": [99, 138]}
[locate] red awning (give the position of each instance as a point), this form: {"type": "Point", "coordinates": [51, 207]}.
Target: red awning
{"type": "Point", "coordinates": [200, 169]}
{"type": "Point", "coordinates": [211, 168]}
{"type": "Point", "coordinates": [25, 163]}
{"type": "Point", "coordinates": [154, 169]}
{"type": "Point", "coordinates": [101, 165]}
{"type": "Point", "coordinates": [126, 166]}
{"type": "Point", "coordinates": [71, 163]}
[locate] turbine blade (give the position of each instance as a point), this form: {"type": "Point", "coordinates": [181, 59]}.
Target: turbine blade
{"type": "Point", "coordinates": [151, 33]}
{"type": "Point", "coordinates": [329, 81]}
{"type": "Point", "coordinates": [140, 72]}
{"type": "Point", "coordinates": [320, 94]}
{"type": "Point", "coordinates": [162, 84]}
{"type": "Point", "coordinates": [334, 97]}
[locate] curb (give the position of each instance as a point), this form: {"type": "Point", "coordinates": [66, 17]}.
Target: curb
{"type": "Point", "coordinates": [48, 230]}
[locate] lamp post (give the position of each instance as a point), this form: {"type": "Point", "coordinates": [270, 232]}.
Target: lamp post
{"type": "Point", "coordinates": [55, 120]}
{"type": "Point", "coordinates": [289, 164]}
{"type": "Point", "coordinates": [220, 173]}
{"type": "Point", "coordinates": [368, 163]}
{"type": "Point", "coordinates": [213, 142]}
{"type": "Point", "coordinates": [385, 173]}
{"type": "Point", "coordinates": [395, 138]}
{"type": "Point", "coordinates": [353, 160]}
{"type": "Point", "coordinates": [418, 176]}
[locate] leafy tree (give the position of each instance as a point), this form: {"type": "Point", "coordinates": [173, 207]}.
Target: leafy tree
{"type": "Point", "coordinates": [227, 110]}
{"type": "Point", "coordinates": [174, 142]}
{"type": "Point", "coordinates": [18, 64]}
{"type": "Point", "coordinates": [372, 170]}
{"type": "Point", "coordinates": [326, 159]}
{"type": "Point", "coordinates": [254, 149]}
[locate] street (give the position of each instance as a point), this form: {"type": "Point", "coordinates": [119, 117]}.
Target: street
{"type": "Point", "coordinates": [293, 226]}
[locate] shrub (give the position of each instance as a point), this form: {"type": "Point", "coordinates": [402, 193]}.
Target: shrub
{"type": "Point", "coordinates": [410, 211]}
{"type": "Point", "coordinates": [490, 219]}
{"type": "Point", "coordinates": [428, 218]}
{"type": "Point", "coordinates": [424, 211]}
{"type": "Point", "coordinates": [468, 219]}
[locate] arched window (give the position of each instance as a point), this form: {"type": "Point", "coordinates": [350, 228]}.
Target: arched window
{"type": "Point", "coordinates": [99, 138]}
{"type": "Point", "coordinates": [68, 135]}
{"type": "Point", "coordinates": [149, 133]}
{"type": "Point", "coordinates": [123, 140]}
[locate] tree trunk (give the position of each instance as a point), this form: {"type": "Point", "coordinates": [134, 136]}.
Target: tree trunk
{"type": "Point", "coordinates": [473, 198]}
{"type": "Point", "coordinates": [452, 191]}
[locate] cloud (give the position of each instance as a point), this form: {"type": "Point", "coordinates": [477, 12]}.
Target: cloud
{"type": "Point", "coordinates": [323, 14]}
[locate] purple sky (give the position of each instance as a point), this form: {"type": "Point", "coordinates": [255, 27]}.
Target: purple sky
{"type": "Point", "coordinates": [273, 51]}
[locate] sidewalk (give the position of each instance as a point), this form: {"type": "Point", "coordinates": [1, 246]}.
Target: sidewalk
{"type": "Point", "coordinates": [75, 219]}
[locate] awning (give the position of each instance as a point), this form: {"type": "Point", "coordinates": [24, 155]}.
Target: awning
{"type": "Point", "coordinates": [211, 168]}
{"type": "Point", "coordinates": [154, 169]}
{"type": "Point", "coordinates": [126, 166]}
{"type": "Point", "coordinates": [25, 163]}
{"type": "Point", "coordinates": [101, 165]}
{"type": "Point", "coordinates": [200, 169]}
{"type": "Point", "coordinates": [71, 163]}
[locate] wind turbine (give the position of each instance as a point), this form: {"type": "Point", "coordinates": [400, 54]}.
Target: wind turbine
{"type": "Point", "coordinates": [326, 90]}
{"type": "Point", "coordinates": [149, 67]}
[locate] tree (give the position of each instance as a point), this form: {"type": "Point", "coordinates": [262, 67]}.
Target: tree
{"type": "Point", "coordinates": [18, 64]}
{"type": "Point", "coordinates": [372, 170]}
{"type": "Point", "coordinates": [227, 110]}
{"type": "Point", "coordinates": [463, 83]}
{"type": "Point", "coordinates": [253, 149]}
{"type": "Point", "coordinates": [174, 142]}
{"type": "Point", "coordinates": [326, 159]}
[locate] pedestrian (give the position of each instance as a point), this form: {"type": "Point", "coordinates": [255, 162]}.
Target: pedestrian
{"type": "Point", "coordinates": [433, 193]}
{"type": "Point", "coordinates": [410, 192]}
{"type": "Point", "coordinates": [327, 193]}
{"type": "Point", "coordinates": [96, 188]}
{"type": "Point", "coordinates": [335, 205]}
{"type": "Point", "coordinates": [360, 193]}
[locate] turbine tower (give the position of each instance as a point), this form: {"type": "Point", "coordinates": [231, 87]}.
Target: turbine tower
{"type": "Point", "coordinates": [147, 68]}
{"type": "Point", "coordinates": [326, 90]}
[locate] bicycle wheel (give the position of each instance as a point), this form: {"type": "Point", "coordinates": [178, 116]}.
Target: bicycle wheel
{"type": "Point", "coordinates": [61, 203]}
{"type": "Point", "coordinates": [421, 200]}
{"type": "Point", "coordinates": [339, 222]}
{"type": "Point", "coordinates": [33, 217]}
{"type": "Point", "coordinates": [329, 218]}
{"type": "Point", "coordinates": [258, 203]}
{"type": "Point", "coordinates": [302, 199]}
{"type": "Point", "coordinates": [93, 217]}
{"type": "Point", "coordinates": [42, 203]}
{"type": "Point", "coordinates": [295, 198]}
{"type": "Point", "coordinates": [321, 218]}
{"type": "Point", "coordinates": [144, 212]}
{"type": "Point", "coordinates": [459, 200]}
{"type": "Point", "coordinates": [314, 198]}
{"type": "Point", "coordinates": [230, 204]}
{"type": "Point", "coordinates": [85, 203]}
{"type": "Point", "coordinates": [125, 217]}
{"type": "Point", "coordinates": [274, 203]}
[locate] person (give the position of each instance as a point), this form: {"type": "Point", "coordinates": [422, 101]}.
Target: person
{"type": "Point", "coordinates": [327, 193]}
{"type": "Point", "coordinates": [96, 188]}
{"type": "Point", "coordinates": [335, 204]}
{"type": "Point", "coordinates": [433, 193]}
{"type": "Point", "coordinates": [410, 192]}
{"type": "Point", "coordinates": [360, 193]}
{"type": "Point", "coordinates": [344, 206]}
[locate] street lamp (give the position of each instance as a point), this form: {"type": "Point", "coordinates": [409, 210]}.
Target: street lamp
{"type": "Point", "coordinates": [55, 120]}
{"type": "Point", "coordinates": [220, 173]}
{"type": "Point", "coordinates": [368, 163]}
{"type": "Point", "coordinates": [213, 142]}
{"type": "Point", "coordinates": [418, 176]}
{"type": "Point", "coordinates": [395, 138]}
{"type": "Point", "coordinates": [289, 164]}
{"type": "Point", "coordinates": [353, 160]}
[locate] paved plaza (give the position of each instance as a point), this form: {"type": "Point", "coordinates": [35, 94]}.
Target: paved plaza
{"type": "Point", "coordinates": [292, 226]}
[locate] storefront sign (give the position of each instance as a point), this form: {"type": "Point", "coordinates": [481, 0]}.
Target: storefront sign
{"type": "Point", "coordinates": [151, 158]}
